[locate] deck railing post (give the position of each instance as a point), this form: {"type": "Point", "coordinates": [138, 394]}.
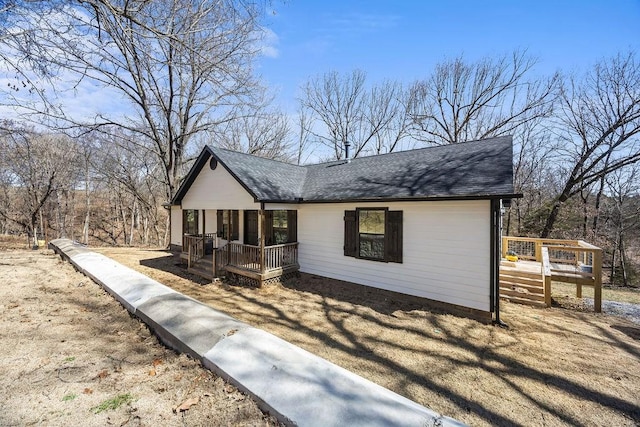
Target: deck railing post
{"type": "Point", "coordinates": [597, 277]}
{"type": "Point", "coordinates": [189, 254]}
{"type": "Point", "coordinates": [538, 251]}
{"type": "Point", "coordinates": [505, 246]}
{"type": "Point", "coordinates": [546, 276]}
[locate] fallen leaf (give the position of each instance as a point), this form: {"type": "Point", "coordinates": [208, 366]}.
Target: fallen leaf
{"type": "Point", "coordinates": [157, 362]}
{"type": "Point", "coordinates": [152, 372]}
{"type": "Point", "coordinates": [102, 374]}
{"type": "Point", "coordinates": [87, 391]}
{"type": "Point", "coordinates": [231, 332]}
{"type": "Point", "coordinates": [187, 404]}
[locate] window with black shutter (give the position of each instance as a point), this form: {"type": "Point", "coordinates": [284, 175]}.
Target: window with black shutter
{"type": "Point", "coordinates": [373, 234]}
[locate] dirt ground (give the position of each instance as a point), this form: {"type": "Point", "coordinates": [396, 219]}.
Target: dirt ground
{"type": "Point", "coordinates": [70, 355]}
{"type": "Point", "coordinates": [550, 367]}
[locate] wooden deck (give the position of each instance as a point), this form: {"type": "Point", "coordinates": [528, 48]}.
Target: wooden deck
{"type": "Point", "coordinates": [528, 281]}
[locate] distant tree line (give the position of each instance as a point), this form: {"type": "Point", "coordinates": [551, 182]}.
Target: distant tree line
{"type": "Point", "coordinates": [185, 73]}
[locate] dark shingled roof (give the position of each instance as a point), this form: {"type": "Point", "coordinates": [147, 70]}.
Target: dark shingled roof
{"type": "Point", "coordinates": [264, 178]}
{"type": "Point", "coordinates": [478, 169]}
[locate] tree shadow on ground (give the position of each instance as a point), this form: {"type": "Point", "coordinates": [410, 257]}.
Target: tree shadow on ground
{"type": "Point", "coordinates": [174, 265]}
{"type": "Point", "coordinates": [632, 332]}
{"type": "Point", "coordinates": [382, 301]}
{"type": "Point", "coordinates": [357, 325]}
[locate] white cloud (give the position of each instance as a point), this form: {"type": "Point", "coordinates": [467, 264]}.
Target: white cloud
{"type": "Point", "coordinates": [268, 43]}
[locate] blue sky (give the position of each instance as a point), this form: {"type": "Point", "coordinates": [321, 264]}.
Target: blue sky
{"type": "Point", "coordinates": [402, 40]}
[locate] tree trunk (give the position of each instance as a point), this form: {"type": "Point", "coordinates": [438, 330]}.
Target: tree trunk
{"type": "Point", "coordinates": [623, 262]}
{"type": "Point", "coordinates": [551, 219]}
{"type": "Point", "coordinates": [613, 263]}
{"type": "Point", "coordinates": [596, 213]}
{"type": "Point", "coordinates": [87, 217]}
{"type": "Point", "coordinates": [508, 227]}
{"type": "Point", "coordinates": [585, 215]}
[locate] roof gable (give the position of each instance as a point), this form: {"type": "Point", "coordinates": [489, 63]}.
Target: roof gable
{"type": "Point", "coordinates": [478, 169]}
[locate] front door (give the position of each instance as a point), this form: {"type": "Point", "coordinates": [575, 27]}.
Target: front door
{"type": "Point", "coordinates": [251, 228]}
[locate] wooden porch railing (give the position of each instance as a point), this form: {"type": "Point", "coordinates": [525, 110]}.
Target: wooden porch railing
{"type": "Point", "coordinates": [278, 256]}
{"type": "Point", "coordinates": [569, 261]}
{"type": "Point", "coordinates": [244, 256]}
{"type": "Point", "coordinates": [194, 246]}
{"type": "Point", "coordinates": [239, 259]}
{"type": "Point", "coordinates": [248, 256]}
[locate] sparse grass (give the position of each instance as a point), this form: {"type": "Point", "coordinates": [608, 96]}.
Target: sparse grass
{"type": "Point", "coordinates": [113, 403]}
{"type": "Point", "coordinates": [550, 367]}
{"type": "Point", "coordinates": [629, 295]}
{"type": "Point", "coordinates": [69, 359]}
{"type": "Point", "coordinates": [69, 397]}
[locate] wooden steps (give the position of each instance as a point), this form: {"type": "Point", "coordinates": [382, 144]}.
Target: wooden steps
{"type": "Point", "coordinates": [523, 287]}
{"type": "Point", "coordinates": [203, 268]}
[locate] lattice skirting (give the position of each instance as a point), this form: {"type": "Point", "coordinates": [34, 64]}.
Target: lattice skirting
{"type": "Point", "coordinates": [238, 279]}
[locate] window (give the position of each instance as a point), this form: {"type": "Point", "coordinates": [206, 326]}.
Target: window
{"type": "Point", "coordinates": [224, 224]}
{"type": "Point", "coordinates": [280, 227]}
{"type": "Point", "coordinates": [371, 226]}
{"type": "Point", "coordinates": [190, 221]}
{"type": "Point", "coordinates": [374, 234]}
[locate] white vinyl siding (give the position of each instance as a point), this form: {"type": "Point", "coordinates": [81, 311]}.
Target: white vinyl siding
{"type": "Point", "coordinates": [176, 225]}
{"type": "Point", "coordinates": [217, 189]}
{"type": "Point", "coordinates": [446, 250]}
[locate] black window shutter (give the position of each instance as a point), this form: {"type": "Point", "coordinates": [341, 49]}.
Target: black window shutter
{"type": "Point", "coordinates": [220, 225]}
{"type": "Point", "coordinates": [350, 234]}
{"type": "Point", "coordinates": [235, 223]}
{"type": "Point", "coordinates": [292, 226]}
{"type": "Point", "coordinates": [393, 237]}
{"type": "Point", "coordinates": [268, 228]}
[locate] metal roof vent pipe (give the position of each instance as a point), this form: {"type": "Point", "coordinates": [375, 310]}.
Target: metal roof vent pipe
{"type": "Point", "coordinates": [347, 144]}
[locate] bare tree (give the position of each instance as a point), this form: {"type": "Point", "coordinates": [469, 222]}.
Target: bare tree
{"type": "Point", "coordinates": [464, 101]}
{"type": "Point", "coordinates": [345, 110]}
{"type": "Point", "coordinates": [40, 166]}
{"type": "Point", "coordinates": [533, 167]}
{"type": "Point", "coordinates": [263, 132]}
{"type": "Point", "coordinates": [134, 182]}
{"type": "Point", "coordinates": [624, 187]}
{"type": "Point", "coordinates": [599, 127]}
{"type": "Point", "coordinates": [387, 116]}
{"type": "Point", "coordinates": [304, 122]}
{"type": "Point", "coordinates": [181, 66]}
{"type": "Point", "coordinates": [335, 102]}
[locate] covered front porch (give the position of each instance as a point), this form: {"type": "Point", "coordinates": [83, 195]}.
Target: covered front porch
{"type": "Point", "coordinates": [250, 247]}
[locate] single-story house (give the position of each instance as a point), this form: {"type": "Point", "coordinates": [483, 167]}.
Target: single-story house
{"type": "Point", "coordinates": [422, 222]}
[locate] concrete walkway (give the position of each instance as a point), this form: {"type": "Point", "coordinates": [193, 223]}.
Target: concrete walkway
{"type": "Point", "coordinates": [296, 386]}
